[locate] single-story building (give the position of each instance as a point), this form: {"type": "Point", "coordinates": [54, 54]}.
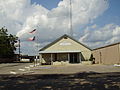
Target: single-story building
{"type": "Point", "coordinates": [65, 49]}
{"type": "Point", "coordinates": [109, 54]}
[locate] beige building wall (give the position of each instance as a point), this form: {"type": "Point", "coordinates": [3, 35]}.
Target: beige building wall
{"type": "Point", "coordinates": [107, 55]}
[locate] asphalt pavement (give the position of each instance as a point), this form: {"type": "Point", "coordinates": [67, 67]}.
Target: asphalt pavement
{"type": "Point", "coordinates": [28, 68]}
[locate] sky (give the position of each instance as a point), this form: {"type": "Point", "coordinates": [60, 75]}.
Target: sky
{"type": "Point", "coordinates": [95, 22]}
{"type": "Point", "coordinates": [49, 4]}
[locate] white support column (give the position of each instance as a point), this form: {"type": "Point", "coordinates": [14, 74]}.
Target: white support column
{"type": "Point", "coordinates": [40, 58]}
{"type": "Point", "coordinates": [36, 60]}
{"type": "Point", "coordinates": [80, 57]}
{"type": "Point", "coordinates": [51, 59]}
{"type": "Point", "coordinates": [69, 57]}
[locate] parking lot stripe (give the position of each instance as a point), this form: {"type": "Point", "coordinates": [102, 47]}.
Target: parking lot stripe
{"type": "Point", "coordinates": [13, 72]}
{"type": "Point", "coordinates": [22, 69]}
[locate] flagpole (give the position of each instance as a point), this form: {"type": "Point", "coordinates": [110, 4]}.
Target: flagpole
{"type": "Point", "coordinates": [19, 50]}
{"type": "Point", "coordinates": [38, 46]}
{"type": "Point", "coordinates": [36, 57]}
{"type": "Point", "coordinates": [35, 39]}
{"type": "Point", "coordinates": [35, 50]}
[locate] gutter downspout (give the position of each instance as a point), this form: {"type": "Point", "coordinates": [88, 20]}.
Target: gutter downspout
{"type": "Point", "coordinates": [119, 53]}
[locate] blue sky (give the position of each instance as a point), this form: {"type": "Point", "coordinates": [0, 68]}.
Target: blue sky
{"type": "Point", "coordinates": [95, 22]}
{"type": "Point", "coordinates": [112, 15]}
{"type": "Point", "coordinates": [49, 4]}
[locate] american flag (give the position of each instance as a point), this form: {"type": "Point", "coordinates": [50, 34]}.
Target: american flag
{"type": "Point", "coordinates": [33, 31]}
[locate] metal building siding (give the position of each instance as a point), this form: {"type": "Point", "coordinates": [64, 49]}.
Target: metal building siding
{"type": "Point", "coordinates": [107, 55]}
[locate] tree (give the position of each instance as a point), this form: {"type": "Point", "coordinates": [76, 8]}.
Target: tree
{"type": "Point", "coordinates": [7, 42]}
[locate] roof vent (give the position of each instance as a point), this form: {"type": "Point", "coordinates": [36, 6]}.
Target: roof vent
{"type": "Point", "coordinates": [65, 37]}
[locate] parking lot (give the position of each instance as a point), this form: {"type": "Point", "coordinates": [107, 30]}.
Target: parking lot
{"type": "Point", "coordinates": [28, 68]}
{"type": "Point", "coordinates": [7, 68]}
{"type": "Point", "coordinates": [17, 76]}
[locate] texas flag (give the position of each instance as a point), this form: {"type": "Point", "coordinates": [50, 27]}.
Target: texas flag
{"type": "Point", "coordinates": [31, 39]}
{"type": "Point", "coordinates": [33, 31]}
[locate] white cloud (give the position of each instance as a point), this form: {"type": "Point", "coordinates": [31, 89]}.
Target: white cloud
{"type": "Point", "coordinates": [108, 34]}
{"type": "Point", "coordinates": [20, 17]}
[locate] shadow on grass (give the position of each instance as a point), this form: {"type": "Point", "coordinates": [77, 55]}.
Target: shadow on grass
{"type": "Point", "coordinates": [78, 81]}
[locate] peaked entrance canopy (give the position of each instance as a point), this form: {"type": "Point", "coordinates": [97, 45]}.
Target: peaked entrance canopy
{"type": "Point", "coordinates": [64, 49]}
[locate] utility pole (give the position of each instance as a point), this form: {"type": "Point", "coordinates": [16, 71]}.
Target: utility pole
{"type": "Point", "coordinates": [71, 27]}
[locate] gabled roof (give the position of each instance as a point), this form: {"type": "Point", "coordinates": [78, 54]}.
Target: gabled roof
{"type": "Point", "coordinates": [64, 36]}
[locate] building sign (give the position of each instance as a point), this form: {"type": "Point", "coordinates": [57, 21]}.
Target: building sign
{"type": "Point", "coordinates": [65, 43]}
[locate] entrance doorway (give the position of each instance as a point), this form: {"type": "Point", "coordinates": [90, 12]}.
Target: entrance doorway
{"type": "Point", "coordinates": [74, 58]}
